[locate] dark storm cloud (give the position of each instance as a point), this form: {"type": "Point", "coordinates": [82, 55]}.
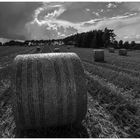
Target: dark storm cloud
{"type": "Point", "coordinates": [14, 16]}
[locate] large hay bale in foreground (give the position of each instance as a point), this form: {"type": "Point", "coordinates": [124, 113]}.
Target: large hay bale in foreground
{"type": "Point", "coordinates": [123, 52]}
{"type": "Point", "coordinates": [56, 50]}
{"type": "Point", "coordinates": [98, 55]}
{"type": "Point", "coordinates": [50, 90]}
{"type": "Point", "coordinates": [111, 50]}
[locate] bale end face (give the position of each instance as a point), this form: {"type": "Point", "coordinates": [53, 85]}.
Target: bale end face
{"type": "Point", "coordinates": [56, 50]}
{"type": "Point", "coordinates": [98, 55]}
{"type": "Point", "coordinates": [38, 49]}
{"type": "Point", "coordinates": [50, 90]}
{"type": "Point", "coordinates": [123, 52]}
{"type": "Point", "coordinates": [111, 50]}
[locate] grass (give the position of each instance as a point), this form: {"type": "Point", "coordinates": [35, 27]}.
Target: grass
{"type": "Point", "coordinates": [8, 58]}
{"type": "Point", "coordinates": [7, 125]}
{"type": "Point", "coordinates": [115, 90]}
{"type": "Point", "coordinates": [124, 111]}
{"type": "Point", "coordinates": [124, 63]}
{"type": "Point", "coordinates": [46, 49]}
{"type": "Point", "coordinates": [113, 96]}
{"type": "Point", "coordinates": [99, 123]}
{"type": "Point", "coordinates": [120, 79]}
{"type": "Point", "coordinates": [131, 62]}
{"type": "Point", "coordinates": [115, 68]}
{"type": "Point", "coordinates": [10, 50]}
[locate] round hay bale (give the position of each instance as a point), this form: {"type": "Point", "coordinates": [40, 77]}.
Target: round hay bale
{"type": "Point", "coordinates": [111, 50]}
{"type": "Point", "coordinates": [123, 52]}
{"type": "Point", "coordinates": [98, 55]}
{"type": "Point", "coordinates": [56, 50]}
{"type": "Point", "coordinates": [49, 90]}
{"type": "Point", "coordinates": [38, 49]}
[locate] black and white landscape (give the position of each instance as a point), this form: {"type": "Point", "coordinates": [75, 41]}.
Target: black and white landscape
{"type": "Point", "coordinates": [69, 69]}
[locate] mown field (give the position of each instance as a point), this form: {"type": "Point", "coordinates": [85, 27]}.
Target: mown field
{"type": "Point", "coordinates": [7, 54]}
{"type": "Point", "coordinates": [114, 85]}
{"type": "Point", "coordinates": [113, 94]}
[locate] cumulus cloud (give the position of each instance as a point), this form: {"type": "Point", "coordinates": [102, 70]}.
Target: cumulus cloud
{"type": "Point", "coordinates": [102, 10]}
{"type": "Point", "coordinates": [123, 26]}
{"type": "Point", "coordinates": [95, 13]}
{"type": "Point", "coordinates": [46, 25]}
{"type": "Point", "coordinates": [132, 6]}
{"type": "Point", "coordinates": [55, 20]}
{"type": "Point", "coordinates": [111, 5]}
{"type": "Point", "coordinates": [126, 27]}
{"type": "Point", "coordinates": [50, 20]}
{"type": "Point", "coordinates": [49, 29]}
{"type": "Point", "coordinates": [87, 9]}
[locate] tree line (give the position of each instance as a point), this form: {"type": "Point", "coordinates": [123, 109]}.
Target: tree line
{"type": "Point", "coordinates": [30, 42]}
{"type": "Point", "coordinates": [125, 45]}
{"type": "Point", "coordinates": [99, 39]}
{"type": "Point", "coordinates": [92, 39]}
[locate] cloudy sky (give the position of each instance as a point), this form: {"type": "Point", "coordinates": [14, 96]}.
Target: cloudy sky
{"type": "Point", "coordinates": [37, 20]}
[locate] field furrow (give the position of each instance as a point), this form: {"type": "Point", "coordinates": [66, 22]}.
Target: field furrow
{"type": "Point", "coordinates": [124, 111]}
{"type": "Point", "coordinates": [119, 79]}
{"type": "Point", "coordinates": [99, 123]}
{"type": "Point", "coordinates": [125, 64]}
{"type": "Point", "coordinates": [130, 62]}
{"type": "Point", "coordinates": [113, 95]}
{"type": "Point", "coordinates": [115, 68]}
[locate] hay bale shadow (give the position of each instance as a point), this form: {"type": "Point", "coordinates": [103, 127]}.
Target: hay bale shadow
{"type": "Point", "coordinates": [125, 55]}
{"type": "Point", "coordinates": [70, 131]}
{"type": "Point", "coordinates": [104, 61]}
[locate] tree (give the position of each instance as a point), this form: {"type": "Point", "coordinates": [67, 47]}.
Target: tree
{"type": "Point", "coordinates": [120, 44]}
{"type": "Point", "coordinates": [115, 44]}
{"type": "Point", "coordinates": [126, 45]}
{"type": "Point", "coordinates": [132, 45]}
{"type": "Point", "coordinates": [99, 40]}
{"type": "Point", "coordinates": [92, 39]}
{"type": "Point", "coordinates": [93, 43]}
{"type": "Point", "coordinates": [108, 37]}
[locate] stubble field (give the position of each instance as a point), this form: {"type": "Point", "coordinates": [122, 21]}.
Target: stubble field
{"type": "Point", "coordinates": [113, 92]}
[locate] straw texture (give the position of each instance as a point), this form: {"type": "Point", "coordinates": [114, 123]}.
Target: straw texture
{"type": "Point", "coordinates": [111, 50]}
{"type": "Point", "coordinates": [56, 50]}
{"type": "Point", "coordinates": [123, 52]}
{"type": "Point", "coordinates": [50, 90]}
{"type": "Point", "coordinates": [98, 55]}
{"type": "Point", "coordinates": [38, 49]}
